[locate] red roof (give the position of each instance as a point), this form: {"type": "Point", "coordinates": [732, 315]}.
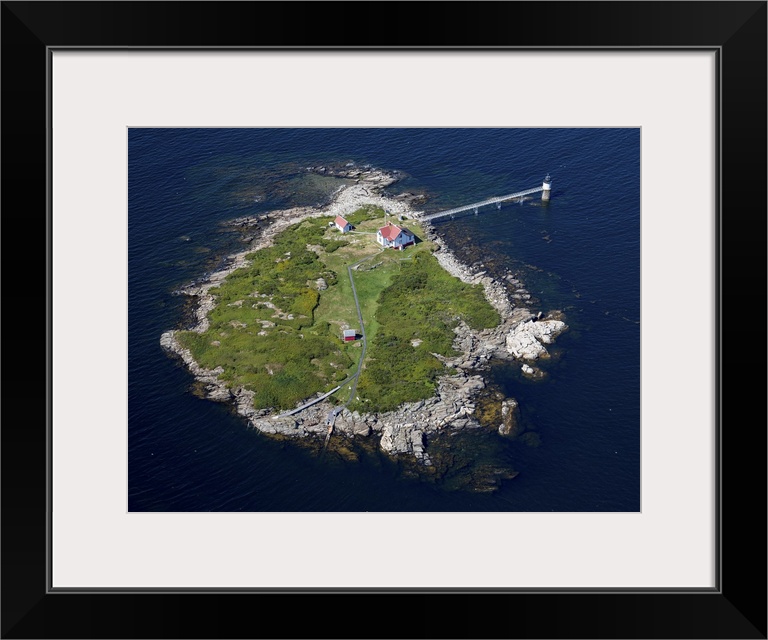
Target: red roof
{"type": "Point", "coordinates": [340, 221]}
{"type": "Point", "coordinates": [390, 232]}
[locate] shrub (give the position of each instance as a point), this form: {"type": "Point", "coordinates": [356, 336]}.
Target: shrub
{"type": "Point", "coordinates": [332, 245]}
{"type": "Point", "coordinates": [306, 302]}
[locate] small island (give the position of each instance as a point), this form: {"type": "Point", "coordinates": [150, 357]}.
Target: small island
{"type": "Point", "coordinates": [355, 319]}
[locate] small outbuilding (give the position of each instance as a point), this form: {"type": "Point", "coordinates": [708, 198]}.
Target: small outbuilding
{"type": "Point", "coordinates": [350, 335]}
{"type": "Point", "coordinates": [342, 225]}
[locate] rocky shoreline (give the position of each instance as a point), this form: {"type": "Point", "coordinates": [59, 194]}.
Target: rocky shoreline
{"type": "Point", "coordinates": [521, 336]}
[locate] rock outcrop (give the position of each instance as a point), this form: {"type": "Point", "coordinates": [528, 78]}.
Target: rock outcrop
{"type": "Point", "coordinates": [526, 341]}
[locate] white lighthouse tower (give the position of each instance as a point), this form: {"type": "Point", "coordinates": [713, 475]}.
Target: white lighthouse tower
{"type": "Point", "coordinates": [547, 189]}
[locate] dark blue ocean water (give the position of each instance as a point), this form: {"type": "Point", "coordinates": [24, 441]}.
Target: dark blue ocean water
{"type": "Point", "coordinates": [580, 254]}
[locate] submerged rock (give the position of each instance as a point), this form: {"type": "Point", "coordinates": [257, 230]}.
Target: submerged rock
{"type": "Point", "coordinates": [510, 418]}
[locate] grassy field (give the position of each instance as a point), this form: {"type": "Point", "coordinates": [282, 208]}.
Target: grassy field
{"type": "Point", "coordinates": [274, 332]}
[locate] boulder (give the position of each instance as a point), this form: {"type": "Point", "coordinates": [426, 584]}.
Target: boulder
{"type": "Point", "coordinates": [361, 429]}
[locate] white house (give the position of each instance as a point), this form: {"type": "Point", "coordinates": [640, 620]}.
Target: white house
{"type": "Point", "coordinates": [396, 237]}
{"type": "Point", "coordinates": [341, 224]}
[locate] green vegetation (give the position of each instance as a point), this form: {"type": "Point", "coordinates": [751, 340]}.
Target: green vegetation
{"type": "Point", "coordinates": [263, 330]}
{"type": "Point", "coordinates": [366, 213]}
{"type": "Point", "coordinates": [331, 246]}
{"type": "Point", "coordinates": [416, 315]}
{"type": "Point", "coordinates": [274, 332]}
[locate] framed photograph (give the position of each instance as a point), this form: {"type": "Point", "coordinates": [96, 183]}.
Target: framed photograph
{"type": "Point", "coordinates": [504, 248]}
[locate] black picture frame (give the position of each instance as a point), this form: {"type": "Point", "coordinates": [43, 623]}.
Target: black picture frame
{"type": "Point", "coordinates": [735, 30]}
